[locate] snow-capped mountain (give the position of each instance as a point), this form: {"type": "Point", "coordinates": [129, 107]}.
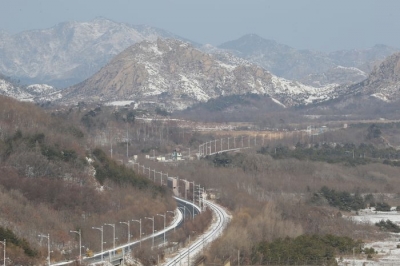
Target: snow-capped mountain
{"type": "Point", "coordinates": [383, 82]}
{"type": "Point", "coordinates": [377, 96]}
{"type": "Point", "coordinates": [35, 92]}
{"type": "Point", "coordinates": [177, 75]}
{"type": "Point", "coordinates": [9, 89]}
{"type": "Point", "coordinates": [309, 67]}
{"type": "Point", "coordinates": [68, 52]}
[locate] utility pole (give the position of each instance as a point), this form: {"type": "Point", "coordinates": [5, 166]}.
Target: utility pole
{"type": "Point", "coordinates": [80, 243]}
{"type": "Point", "coordinates": [113, 226]}
{"type": "Point", "coordinates": [140, 231]}
{"type": "Point", "coordinates": [102, 241]}
{"type": "Point", "coordinates": [111, 149]}
{"type": "Point", "coordinates": [152, 240]}
{"type": "Point", "coordinates": [174, 216]}
{"type": "Point", "coordinates": [4, 246]}
{"type": "Point", "coordinates": [163, 215]}
{"type": "Point", "coordinates": [127, 142]}
{"type": "Point", "coordinates": [48, 248]}
{"type": "Point", "coordinates": [129, 231]}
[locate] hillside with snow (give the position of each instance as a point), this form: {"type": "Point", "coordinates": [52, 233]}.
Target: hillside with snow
{"type": "Point", "coordinates": [68, 52]}
{"type": "Point", "coordinates": [31, 93]}
{"type": "Point", "coordinates": [309, 67]}
{"type": "Point", "coordinates": [176, 75]}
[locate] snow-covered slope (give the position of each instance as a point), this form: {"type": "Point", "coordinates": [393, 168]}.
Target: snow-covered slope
{"type": "Point", "coordinates": [35, 92]}
{"type": "Point", "coordinates": [11, 90]}
{"type": "Point", "coordinates": [177, 75]}
{"type": "Point", "coordinates": [384, 81]}
{"type": "Point", "coordinates": [68, 52]}
{"type": "Point", "coordinates": [309, 67]}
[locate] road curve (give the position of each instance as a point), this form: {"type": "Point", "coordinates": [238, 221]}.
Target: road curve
{"type": "Point", "coordinates": [177, 220]}
{"type": "Point", "coordinates": [220, 220]}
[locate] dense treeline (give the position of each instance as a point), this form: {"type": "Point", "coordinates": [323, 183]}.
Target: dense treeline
{"type": "Point", "coordinates": [304, 250]}
{"type": "Point", "coordinates": [388, 226]}
{"type": "Point", "coordinates": [109, 169]}
{"type": "Point", "coordinates": [12, 239]}
{"type": "Point", "coordinates": [347, 201]}
{"type": "Point", "coordinates": [348, 153]}
{"type": "Point", "coordinates": [341, 199]}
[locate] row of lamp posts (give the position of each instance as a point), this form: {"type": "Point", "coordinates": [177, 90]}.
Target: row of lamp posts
{"type": "Point", "coordinates": [101, 229]}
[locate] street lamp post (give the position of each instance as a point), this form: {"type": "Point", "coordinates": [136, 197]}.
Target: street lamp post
{"type": "Point", "coordinates": [199, 190]}
{"type": "Point", "coordinates": [163, 215]}
{"type": "Point", "coordinates": [152, 241]}
{"type": "Point", "coordinates": [48, 247]}
{"type": "Point", "coordinates": [4, 244]}
{"type": "Point", "coordinates": [184, 215]}
{"type": "Point", "coordinates": [138, 165]}
{"type": "Point", "coordinates": [193, 198]}
{"type": "Point", "coordinates": [113, 226]}
{"type": "Point", "coordinates": [102, 241]}
{"type": "Point", "coordinates": [140, 231]}
{"type": "Point", "coordinates": [80, 243]}
{"type": "Point", "coordinates": [174, 216]}
{"type": "Point", "coordinates": [185, 188]}
{"type": "Point", "coordinates": [129, 231]}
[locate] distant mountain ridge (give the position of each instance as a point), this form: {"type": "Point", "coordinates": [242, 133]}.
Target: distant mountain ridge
{"type": "Point", "coordinates": [69, 52]}
{"type": "Point", "coordinates": [310, 67]}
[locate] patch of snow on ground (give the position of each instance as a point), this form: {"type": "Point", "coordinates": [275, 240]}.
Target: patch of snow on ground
{"type": "Point", "coordinates": [193, 88]}
{"type": "Point", "coordinates": [226, 66]}
{"type": "Point", "coordinates": [278, 102]}
{"type": "Point", "coordinates": [380, 96]}
{"type": "Point", "coordinates": [40, 88]}
{"type": "Point", "coordinates": [359, 71]}
{"type": "Point", "coordinates": [388, 253]}
{"type": "Point", "coordinates": [119, 103]}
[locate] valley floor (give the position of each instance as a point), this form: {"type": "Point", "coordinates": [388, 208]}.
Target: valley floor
{"type": "Point", "coordinates": [388, 250]}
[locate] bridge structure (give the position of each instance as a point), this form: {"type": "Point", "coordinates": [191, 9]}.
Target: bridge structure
{"type": "Point", "coordinates": [236, 143]}
{"type": "Point", "coordinates": [259, 139]}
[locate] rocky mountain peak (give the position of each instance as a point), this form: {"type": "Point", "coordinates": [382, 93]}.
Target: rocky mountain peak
{"type": "Point", "coordinates": [384, 81]}
{"type": "Point", "coordinates": [388, 71]}
{"type": "Point", "coordinates": [176, 75]}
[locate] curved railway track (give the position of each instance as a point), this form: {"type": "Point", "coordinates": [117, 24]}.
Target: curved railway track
{"type": "Point", "coordinates": [188, 254]}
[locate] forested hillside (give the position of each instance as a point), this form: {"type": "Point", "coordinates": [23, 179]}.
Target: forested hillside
{"type": "Point", "coordinates": [53, 179]}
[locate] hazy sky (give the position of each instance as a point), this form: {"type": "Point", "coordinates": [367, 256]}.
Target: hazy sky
{"type": "Point", "coordinates": [324, 25]}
